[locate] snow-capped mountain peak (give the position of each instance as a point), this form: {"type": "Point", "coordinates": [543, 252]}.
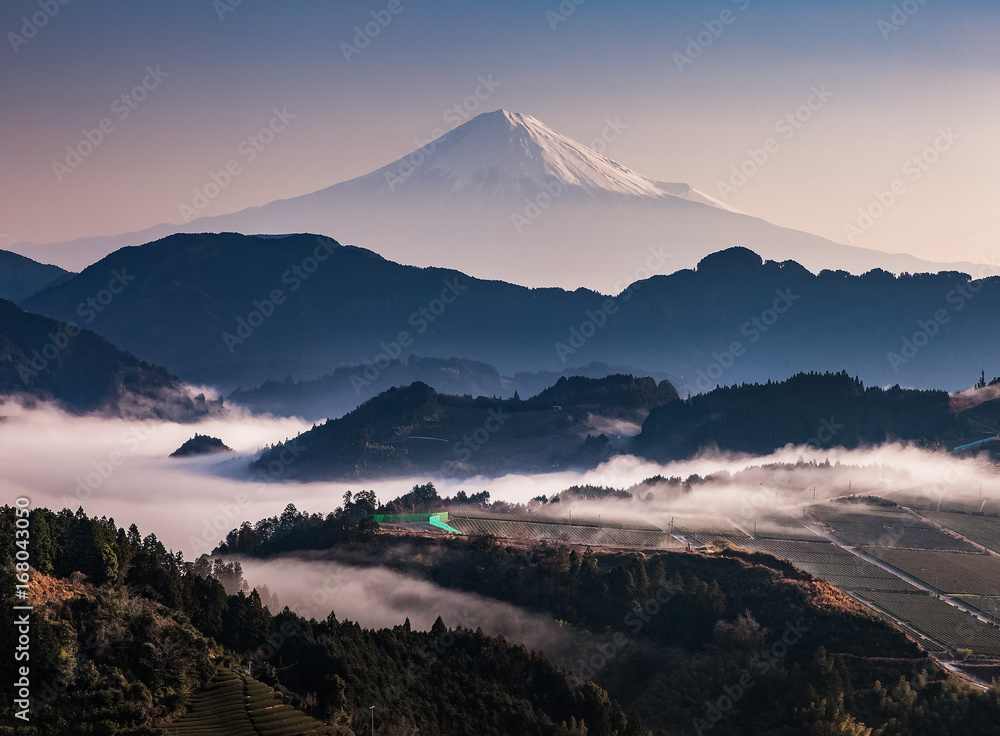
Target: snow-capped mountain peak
{"type": "Point", "coordinates": [505, 196]}
{"type": "Point", "coordinates": [513, 154]}
{"type": "Point", "coordinates": [503, 150]}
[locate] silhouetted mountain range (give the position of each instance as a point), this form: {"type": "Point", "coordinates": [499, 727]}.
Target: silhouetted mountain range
{"type": "Point", "coordinates": [48, 360]}
{"type": "Point", "coordinates": [577, 423]}
{"type": "Point", "coordinates": [414, 428]}
{"type": "Point", "coordinates": [343, 390]}
{"type": "Point", "coordinates": [21, 277]}
{"type": "Point", "coordinates": [235, 310]}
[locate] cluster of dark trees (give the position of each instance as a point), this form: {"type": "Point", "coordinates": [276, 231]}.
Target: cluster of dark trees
{"type": "Point", "coordinates": [201, 444]}
{"type": "Point", "coordinates": [424, 498]}
{"type": "Point", "coordinates": [818, 409]}
{"type": "Point", "coordinates": [294, 530]}
{"type": "Point", "coordinates": [149, 627]}
{"type": "Point", "coordinates": [618, 394]}
{"type": "Point", "coordinates": [589, 493]}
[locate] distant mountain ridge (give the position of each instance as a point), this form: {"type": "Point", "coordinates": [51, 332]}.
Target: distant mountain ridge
{"type": "Point", "coordinates": [204, 305]}
{"type": "Point", "coordinates": [415, 429]}
{"type": "Point", "coordinates": [504, 196]}
{"type": "Point", "coordinates": [343, 390]}
{"type": "Point", "coordinates": [52, 361]}
{"type": "Point", "coordinates": [20, 277]}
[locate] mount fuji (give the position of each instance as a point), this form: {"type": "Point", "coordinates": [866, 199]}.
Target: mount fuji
{"type": "Point", "coordinates": [505, 197]}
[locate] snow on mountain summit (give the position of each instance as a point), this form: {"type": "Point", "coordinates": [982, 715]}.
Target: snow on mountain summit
{"type": "Point", "coordinates": [500, 150]}
{"type": "Point", "coordinates": [509, 153]}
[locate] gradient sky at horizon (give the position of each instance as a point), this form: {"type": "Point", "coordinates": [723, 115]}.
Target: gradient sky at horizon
{"type": "Point", "coordinates": [605, 61]}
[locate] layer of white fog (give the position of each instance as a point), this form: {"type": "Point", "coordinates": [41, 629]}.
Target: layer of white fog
{"type": "Point", "coordinates": [377, 597]}
{"type": "Point", "coordinates": [121, 469]}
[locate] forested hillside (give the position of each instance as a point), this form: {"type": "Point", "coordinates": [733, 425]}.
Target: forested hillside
{"type": "Point", "coordinates": [125, 631]}
{"type": "Point", "coordinates": [83, 372]}
{"type": "Point", "coordinates": [821, 410]}
{"type": "Point", "coordinates": [414, 428]}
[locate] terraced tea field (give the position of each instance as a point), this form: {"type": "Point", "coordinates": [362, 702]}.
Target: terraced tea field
{"type": "Point", "coordinates": [939, 621]}
{"type": "Point", "coordinates": [953, 573]}
{"type": "Point", "coordinates": [706, 531]}
{"type": "Point", "coordinates": [829, 562]}
{"type": "Point", "coordinates": [933, 502]}
{"type": "Point", "coordinates": [594, 521]}
{"type": "Point", "coordinates": [817, 551]}
{"type": "Point", "coordinates": [587, 531]}
{"type": "Point", "coordinates": [776, 525]}
{"type": "Point", "coordinates": [876, 527]}
{"type": "Point", "coordinates": [984, 530]}
{"type": "Point", "coordinates": [984, 603]}
{"type": "Point", "coordinates": [216, 709]}
{"type": "Point", "coordinates": [232, 705]}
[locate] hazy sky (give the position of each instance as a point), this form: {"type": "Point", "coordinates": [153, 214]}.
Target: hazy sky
{"type": "Point", "coordinates": [893, 87]}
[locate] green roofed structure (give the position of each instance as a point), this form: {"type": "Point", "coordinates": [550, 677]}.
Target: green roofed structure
{"type": "Point", "coordinates": [439, 520]}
